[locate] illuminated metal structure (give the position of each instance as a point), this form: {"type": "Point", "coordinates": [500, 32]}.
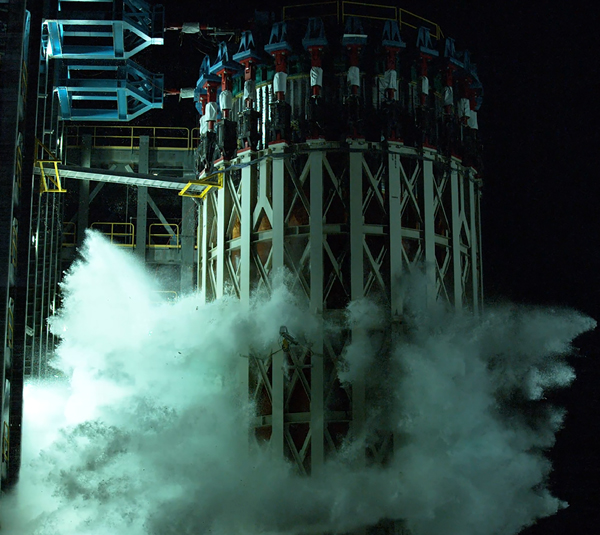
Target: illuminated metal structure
{"type": "Point", "coordinates": [357, 163]}
{"type": "Point", "coordinates": [343, 148]}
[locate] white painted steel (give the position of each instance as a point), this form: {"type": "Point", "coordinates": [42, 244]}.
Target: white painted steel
{"type": "Point", "coordinates": [348, 220]}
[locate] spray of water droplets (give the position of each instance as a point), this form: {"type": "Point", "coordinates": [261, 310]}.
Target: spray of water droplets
{"type": "Point", "coordinates": [147, 432]}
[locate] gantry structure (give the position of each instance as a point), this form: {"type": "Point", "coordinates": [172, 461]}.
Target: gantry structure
{"type": "Point", "coordinates": [356, 162]}
{"type": "Point", "coordinates": [342, 148]}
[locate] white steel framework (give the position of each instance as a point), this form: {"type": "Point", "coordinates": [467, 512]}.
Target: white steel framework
{"type": "Point", "coordinates": [348, 220]}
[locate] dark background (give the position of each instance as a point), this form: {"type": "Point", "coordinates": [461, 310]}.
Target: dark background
{"type": "Point", "coordinates": [538, 62]}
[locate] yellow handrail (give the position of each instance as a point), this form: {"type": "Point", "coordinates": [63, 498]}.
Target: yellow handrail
{"type": "Point", "coordinates": [438, 31]}
{"type": "Point", "coordinates": [346, 13]}
{"type": "Point", "coordinates": [319, 4]}
{"type": "Point", "coordinates": [165, 239]}
{"type": "Point", "coordinates": [342, 11]}
{"type": "Point", "coordinates": [68, 233]}
{"type": "Point", "coordinates": [44, 178]}
{"type": "Point", "coordinates": [209, 181]}
{"type": "Point", "coordinates": [120, 234]}
{"type": "Point", "coordinates": [128, 137]}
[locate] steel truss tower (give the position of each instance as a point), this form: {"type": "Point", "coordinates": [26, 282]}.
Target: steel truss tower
{"type": "Point", "coordinates": [348, 217]}
{"type": "Point", "coordinates": [348, 220]}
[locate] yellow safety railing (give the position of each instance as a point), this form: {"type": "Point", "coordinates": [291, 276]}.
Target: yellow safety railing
{"type": "Point", "coordinates": [69, 234]}
{"type": "Point", "coordinates": [48, 183]}
{"type": "Point", "coordinates": [211, 181]}
{"type": "Point", "coordinates": [320, 9]}
{"type": "Point", "coordinates": [128, 137]}
{"type": "Point", "coordinates": [6, 443]}
{"type": "Point", "coordinates": [159, 237]}
{"type": "Point", "coordinates": [341, 9]}
{"type": "Point", "coordinates": [407, 18]}
{"type": "Point", "coordinates": [195, 136]}
{"type": "Point", "coordinates": [368, 11]}
{"type": "Point", "coordinates": [121, 234]}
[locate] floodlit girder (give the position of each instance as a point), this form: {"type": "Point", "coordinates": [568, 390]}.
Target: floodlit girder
{"type": "Point", "coordinates": [120, 92]}
{"type": "Point", "coordinates": [136, 27]}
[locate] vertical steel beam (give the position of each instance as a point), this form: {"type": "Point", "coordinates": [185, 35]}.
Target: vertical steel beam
{"type": "Point", "coordinates": [203, 249]}
{"type": "Point", "coordinates": [429, 230]}
{"type": "Point", "coordinates": [274, 174]}
{"type": "Point", "coordinates": [221, 230]}
{"type": "Point", "coordinates": [316, 306]}
{"type": "Point", "coordinates": [142, 200]}
{"type": "Point", "coordinates": [188, 219]}
{"type": "Point", "coordinates": [395, 219]}
{"type": "Point", "coordinates": [457, 203]}
{"type": "Point", "coordinates": [141, 221]}
{"type": "Point", "coordinates": [278, 200]}
{"type": "Point", "coordinates": [83, 212]}
{"type": "Point", "coordinates": [474, 243]}
{"type": "Point", "coordinates": [248, 202]}
{"type": "Point", "coordinates": [357, 240]}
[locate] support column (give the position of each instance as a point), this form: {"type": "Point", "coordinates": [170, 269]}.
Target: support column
{"type": "Point", "coordinates": [316, 307]}
{"type": "Point", "coordinates": [429, 231]}
{"type": "Point", "coordinates": [83, 212]}
{"type": "Point", "coordinates": [203, 249]}
{"type": "Point", "coordinates": [188, 219]}
{"type": "Point", "coordinates": [197, 252]}
{"type": "Point", "coordinates": [278, 201]}
{"type": "Point", "coordinates": [142, 201]}
{"type": "Point", "coordinates": [395, 215]}
{"type": "Point", "coordinates": [474, 243]}
{"type": "Point", "coordinates": [276, 170]}
{"type": "Point", "coordinates": [456, 247]}
{"type": "Point", "coordinates": [221, 230]}
{"type": "Point", "coordinates": [248, 204]}
{"type": "Point", "coordinates": [357, 277]}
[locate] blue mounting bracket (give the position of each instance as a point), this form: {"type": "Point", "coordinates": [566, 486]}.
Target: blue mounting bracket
{"type": "Point", "coordinates": [130, 27]}
{"type": "Point", "coordinates": [278, 39]}
{"type": "Point", "coordinates": [205, 74]}
{"type": "Point", "coordinates": [119, 91]}
{"type": "Point", "coordinates": [354, 33]}
{"type": "Point", "coordinates": [451, 54]}
{"type": "Point", "coordinates": [315, 34]}
{"type": "Point", "coordinates": [391, 35]}
{"type": "Point", "coordinates": [224, 61]}
{"type": "Point", "coordinates": [247, 50]}
{"type": "Point", "coordinates": [424, 43]}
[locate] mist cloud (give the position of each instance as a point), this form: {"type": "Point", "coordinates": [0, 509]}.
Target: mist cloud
{"type": "Point", "coordinates": [148, 432]}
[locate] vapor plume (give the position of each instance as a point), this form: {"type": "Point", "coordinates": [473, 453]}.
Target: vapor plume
{"type": "Point", "coordinates": [147, 433]}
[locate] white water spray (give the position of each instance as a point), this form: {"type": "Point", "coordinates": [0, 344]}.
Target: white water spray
{"type": "Point", "coordinates": [147, 435]}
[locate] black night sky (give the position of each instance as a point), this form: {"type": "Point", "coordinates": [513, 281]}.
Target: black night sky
{"type": "Point", "coordinates": [538, 65]}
